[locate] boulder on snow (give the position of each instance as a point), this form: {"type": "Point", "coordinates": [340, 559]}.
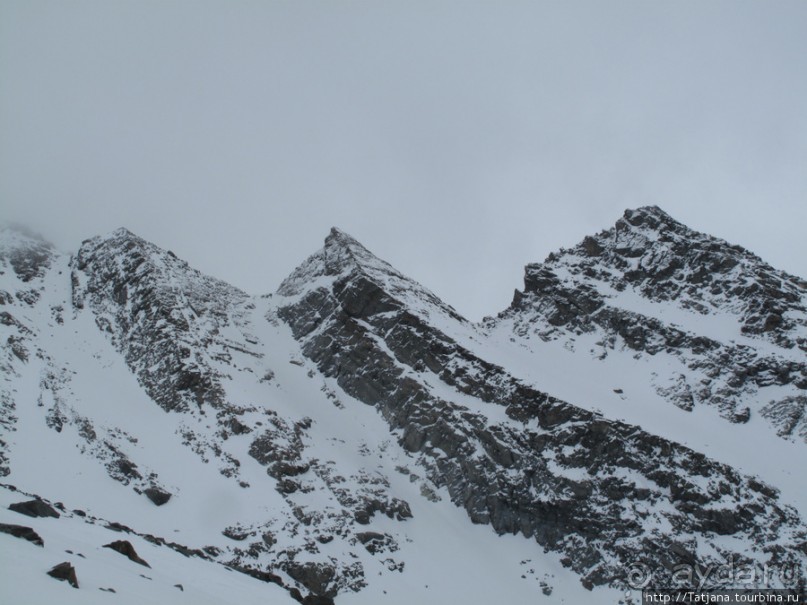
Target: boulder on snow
{"type": "Point", "coordinates": [20, 531]}
{"type": "Point", "coordinates": [66, 572]}
{"type": "Point", "coordinates": [157, 495]}
{"type": "Point", "coordinates": [34, 508]}
{"type": "Point", "coordinates": [373, 541]}
{"type": "Point", "coordinates": [125, 548]}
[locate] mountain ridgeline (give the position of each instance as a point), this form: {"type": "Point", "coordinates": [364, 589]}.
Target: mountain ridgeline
{"type": "Point", "coordinates": [603, 419]}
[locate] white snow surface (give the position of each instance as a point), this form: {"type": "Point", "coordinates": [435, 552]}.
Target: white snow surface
{"type": "Point", "coordinates": [447, 559]}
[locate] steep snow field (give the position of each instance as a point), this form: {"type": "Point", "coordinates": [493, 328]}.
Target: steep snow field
{"type": "Point", "coordinates": [446, 558]}
{"type": "Point", "coordinates": [274, 475]}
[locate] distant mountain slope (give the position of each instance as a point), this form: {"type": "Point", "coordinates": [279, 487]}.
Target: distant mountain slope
{"type": "Point", "coordinates": [353, 438]}
{"type": "Point", "coordinates": [724, 328]}
{"type": "Point", "coordinates": [591, 488]}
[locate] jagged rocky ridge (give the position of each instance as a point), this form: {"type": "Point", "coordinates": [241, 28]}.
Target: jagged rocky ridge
{"type": "Point", "coordinates": [599, 493]}
{"type": "Point", "coordinates": [595, 490]}
{"type": "Point", "coordinates": [163, 316]}
{"type": "Point", "coordinates": [178, 331]}
{"type": "Point", "coordinates": [642, 285]}
{"type": "Point", "coordinates": [27, 257]}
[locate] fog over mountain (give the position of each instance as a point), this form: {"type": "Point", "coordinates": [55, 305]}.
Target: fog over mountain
{"type": "Point", "coordinates": [451, 138]}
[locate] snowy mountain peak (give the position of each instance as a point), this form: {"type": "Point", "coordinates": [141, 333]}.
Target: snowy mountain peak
{"type": "Point", "coordinates": [725, 328]}
{"type": "Point", "coordinates": [344, 252]}
{"type": "Point", "coordinates": [661, 260]}
{"type": "Point", "coordinates": [343, 260]}
{"type": "Point", "coordinates": [123, 232]}
{"type": "Point", "coordinates": [340, 255]}
{"type": "Point", "coordinates": [158, 311]}
{"type": "Point", "coordinates": [513, 455]}
{"type": "Point", "coordinates": [651, 216]}
{"type": "Point", "coordinates": [355, 439]}
{"type": "Point", "coordinates": [28, 254]}
{"type": "Point", "coordinates": [138, 258]}
{"type": "Point", "coordinates": [341, 237]}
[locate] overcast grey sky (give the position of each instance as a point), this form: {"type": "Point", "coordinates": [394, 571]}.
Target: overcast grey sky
{"type": "Point", "coordinates": [458, 140]}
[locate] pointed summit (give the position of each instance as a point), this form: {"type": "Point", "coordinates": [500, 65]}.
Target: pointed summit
{"type": "Point", "coordinates": [650, 218]}
{"type": "Point", "coordinates": [343, 260]}
{"type": "Point", "coordinates": [341, 250]}
{"type": "Point", "coordinates": [644, 213]}
{"type": "Point", "coordinates": [338, 236]}
{"type": "Point", "coordinates": [157, 308]}
{"type": "Point", "coordinates": [341, 254]}
{"type": "Point", "coordinates": [121, 239]}
{"type": "Point", "coordinates": [124, 233]}
{"type": "Point", "coordinates": [663, 259]}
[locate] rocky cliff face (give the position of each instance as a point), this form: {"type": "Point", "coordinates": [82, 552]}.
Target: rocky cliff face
{"type": "Point", "coordinates": [595, 490]}
{"type": "Point", "coordinates": [166, 318]}
{"type": "Point", "coordinates": [24, 259]}
{"type": "Point", "coordinates": [314, 438]}
{"type": "Point", "coordinates": [733, 328]}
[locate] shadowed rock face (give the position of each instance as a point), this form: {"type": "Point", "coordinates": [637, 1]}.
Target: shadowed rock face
{"type": "Point", "coordinates": [651, 258]}
{"type": "Point", "coordinates": [157, 310]}
{"type": "Point", "coordinates": [65, 572]}
{"type": "Point", "coordinates": [34, 508]}
{"type": "Point", "coordinates": [596, 490]}
{"type": "Point", "coordinates": [26, 252]}
{"type": "Point", "coordinates": [125, 548]}
{"type": "Point", "coordinates": [157, 496]}
{"type": "Point", "coordinates": [600, 493]}
{"type": "Point", "coordinates": [20, 531]}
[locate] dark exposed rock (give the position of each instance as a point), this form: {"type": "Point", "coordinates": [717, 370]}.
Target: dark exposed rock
{"type": "Point", "coordinates": [157, 495]}
{"type": "Point", "coordinates": [34, 508]}
{"type": "Point", "coordinates": [358, 332]}
{"type": "Point", "coordinates": [20, 531]}
{"type": "Point", "coordinates": [263, 576]}
{"type": "Point", "coordinates": [316, 577]}
{"type": "Point", "coordinates": [187, 551]}
{"type": "Point", "coordinates": [125, 548]}
{"type": "Point", "coordinates": [599, 493]}
{"type": "Point", "coordinates": [662, 261]}
{"type": "Point", "coordinates": [375, 542]}
{"type": "Point", "coordinates": [115, 526]}
{"type": "Point", "coordinates": [236, 533]}
{"type": "Point", "coordinates": [29, 255]}
{"type": "Point", "coordinates": [66, 572]}
{"type": "Point", "coordinates": [135, 284]}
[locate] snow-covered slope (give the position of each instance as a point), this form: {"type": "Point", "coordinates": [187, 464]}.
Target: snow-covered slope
{"type": "Point", "coordinates": [732, 329]}
{"type": "Point", "coordinates": [351, 438]}
{"type": "Point", "coordinates": [651, 313]}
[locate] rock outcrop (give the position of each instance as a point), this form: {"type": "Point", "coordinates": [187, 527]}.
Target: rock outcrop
{"type": "Point", "coordinates": [730, 324]}
{"type": "Point", "coordinates": [593, 489]}
{"type": "Point", "coordinates": [333, 414]}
